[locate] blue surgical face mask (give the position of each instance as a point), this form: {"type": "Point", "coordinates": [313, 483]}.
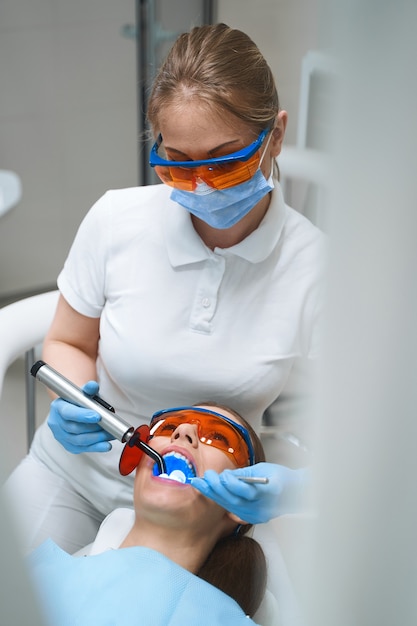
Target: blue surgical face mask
{"type": "Point", "coordinates": [223, 208]}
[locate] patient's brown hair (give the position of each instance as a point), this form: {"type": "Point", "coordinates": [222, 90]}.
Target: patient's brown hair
{"type": "Point", "coordinates": [237, 563]}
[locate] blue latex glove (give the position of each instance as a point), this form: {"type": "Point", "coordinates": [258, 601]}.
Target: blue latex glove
{"type": "Point", "coordinates": [76, 428]}
{"type": "Point", "coordinates": [256, 503]}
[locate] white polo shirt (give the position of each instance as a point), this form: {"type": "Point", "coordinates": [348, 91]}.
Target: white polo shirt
{"type": "Point", "coordinates": [181, 323]}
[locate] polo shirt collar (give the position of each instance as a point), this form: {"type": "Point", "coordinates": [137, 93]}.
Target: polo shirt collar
{"type": "Point", "coordinates": [184, 246]}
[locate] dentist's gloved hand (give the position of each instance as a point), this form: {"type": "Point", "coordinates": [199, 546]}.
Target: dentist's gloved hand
{"type": "Point", "coordinates": [256, 503]}
{"type": "Point", "coordinates": [76, 428]}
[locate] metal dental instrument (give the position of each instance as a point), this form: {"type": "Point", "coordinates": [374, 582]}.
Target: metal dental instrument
{"type": "Point", "coordinates": [110, 421]}
{"type": "Point", "coordinates": [261, 480]}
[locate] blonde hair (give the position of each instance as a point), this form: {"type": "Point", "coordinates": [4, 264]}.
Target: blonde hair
{"type": "Point", "coordinates": [221, 68]}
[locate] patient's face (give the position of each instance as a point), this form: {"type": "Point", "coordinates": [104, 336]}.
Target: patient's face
{"type": "Point", "coordinates": [184, 452]}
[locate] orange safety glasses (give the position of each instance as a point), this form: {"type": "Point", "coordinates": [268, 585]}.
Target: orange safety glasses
{"type": "Point", "coordinates": [220, 173]}
{"type": "Point", "coordinates": [213, 429]}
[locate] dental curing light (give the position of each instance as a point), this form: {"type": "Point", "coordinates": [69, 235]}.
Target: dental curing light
{"type": "Point", "coordinates": [110, 421]}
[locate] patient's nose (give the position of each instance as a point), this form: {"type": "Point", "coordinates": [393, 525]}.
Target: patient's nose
{"type": "Point", "coordinates": [187, 432]}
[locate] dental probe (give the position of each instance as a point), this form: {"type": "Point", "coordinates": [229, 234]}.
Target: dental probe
{"type": "Point", "coordinates": [261, 480]}
{"type": "Point", "coordinates": [110, 421]}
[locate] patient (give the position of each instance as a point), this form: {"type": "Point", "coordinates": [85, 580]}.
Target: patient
{"type": "Point", "coordinates": [181, 549]}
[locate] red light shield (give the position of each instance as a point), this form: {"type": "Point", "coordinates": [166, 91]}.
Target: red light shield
{"type": "Point", "coordinates": [132, 454]}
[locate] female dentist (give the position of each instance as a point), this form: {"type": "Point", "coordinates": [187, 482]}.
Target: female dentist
{"type": "Point", "coordinates": [208, 283]}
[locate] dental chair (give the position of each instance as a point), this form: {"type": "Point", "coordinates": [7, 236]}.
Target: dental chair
{"type": "Point", "coordinates": [23, 325]}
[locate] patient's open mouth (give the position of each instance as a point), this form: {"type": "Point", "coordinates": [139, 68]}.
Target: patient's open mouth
{"type": "Point", "coordinates": [178, 466]}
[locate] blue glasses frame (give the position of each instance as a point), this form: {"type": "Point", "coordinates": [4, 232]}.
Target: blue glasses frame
{"type": "Point", "coordinates": [241, 155]}
{"type": "Point", "coordinates": [241, 429]}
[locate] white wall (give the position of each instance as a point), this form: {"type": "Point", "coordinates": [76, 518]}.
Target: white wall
{"type": "Point", "coordinates": [67, 124]}
{"type": "Point", "coordinates": [284, 30]}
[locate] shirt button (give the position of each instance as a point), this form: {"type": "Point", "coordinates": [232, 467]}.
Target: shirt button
{"type": "Point", "coordinates": [205, 302]}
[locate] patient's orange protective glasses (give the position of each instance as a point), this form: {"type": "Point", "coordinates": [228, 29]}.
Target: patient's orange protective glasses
{"type": "Point", "coordinates": [220, 173]}
{"type": "Point", "coordinates": [214, 429]}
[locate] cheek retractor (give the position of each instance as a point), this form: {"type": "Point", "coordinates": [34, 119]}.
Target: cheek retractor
{"type": "Point", "coordinates": [178, 468]}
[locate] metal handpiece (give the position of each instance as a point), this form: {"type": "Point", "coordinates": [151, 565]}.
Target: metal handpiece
{"type": "Point", "coordinates": [110, 421]}
{"type": "Point", "coordinates": [260, 480]}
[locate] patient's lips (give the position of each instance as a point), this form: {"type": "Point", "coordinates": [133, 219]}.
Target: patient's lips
{"type": "Point", "coordinates": [178, 466]}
